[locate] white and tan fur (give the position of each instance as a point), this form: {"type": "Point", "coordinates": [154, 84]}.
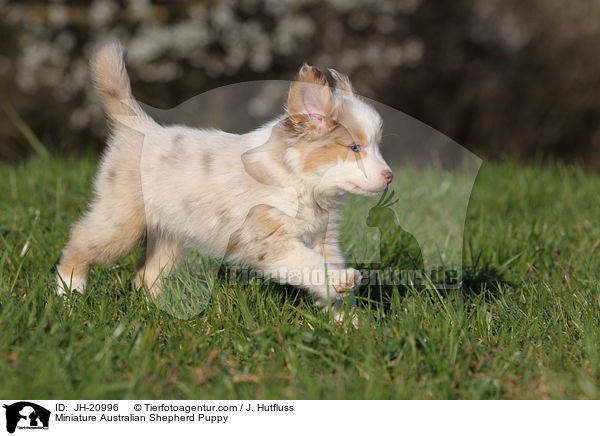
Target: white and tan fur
{"type": "Point", "coordinates": [267, 199]}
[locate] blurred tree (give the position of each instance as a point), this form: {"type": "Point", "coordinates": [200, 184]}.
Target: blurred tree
{"type": "Point", "coordinates": [500, 76]}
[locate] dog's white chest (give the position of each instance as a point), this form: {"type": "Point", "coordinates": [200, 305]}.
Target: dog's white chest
{"type": "Point", "coordinates": [310, 222]}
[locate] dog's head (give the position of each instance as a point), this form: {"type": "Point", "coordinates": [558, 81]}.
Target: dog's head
{"type": "Point", "coordinates": [334, 137]}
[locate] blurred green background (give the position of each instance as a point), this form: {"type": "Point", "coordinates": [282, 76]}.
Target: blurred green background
{"type": "Point", "coordinates": [501, 77]}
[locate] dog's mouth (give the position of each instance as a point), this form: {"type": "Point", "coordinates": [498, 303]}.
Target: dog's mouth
{"type": "Point", "coordinates": [355, 189]}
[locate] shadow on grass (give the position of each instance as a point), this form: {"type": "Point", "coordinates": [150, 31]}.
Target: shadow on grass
{"type": "Point", "coordinates": [485, 280]}
{"type": "Point", "coordinates": [186, 300]}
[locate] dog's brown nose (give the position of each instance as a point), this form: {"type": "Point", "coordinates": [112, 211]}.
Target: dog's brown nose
{"type": "Point", "coordinates": [387, 175]}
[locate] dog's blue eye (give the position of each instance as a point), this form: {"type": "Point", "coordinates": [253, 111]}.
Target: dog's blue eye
{"type": "Point", "coordinates": [355, 148]}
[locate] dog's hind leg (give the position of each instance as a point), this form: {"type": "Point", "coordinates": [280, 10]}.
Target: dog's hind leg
{"type": "Point", "coordinates": [104, 233]}
{"type": "Point", "coordinates": [158, 262]}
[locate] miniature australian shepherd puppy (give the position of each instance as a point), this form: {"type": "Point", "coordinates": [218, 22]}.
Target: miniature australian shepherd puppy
{"type": "Point", "coordinates": [267, 199]}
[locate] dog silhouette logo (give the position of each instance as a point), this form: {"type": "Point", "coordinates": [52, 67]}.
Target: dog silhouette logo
{"type": "Point", "coordinates": [26, 415]}
{"type": "Point", "coordinates": [383, 217]}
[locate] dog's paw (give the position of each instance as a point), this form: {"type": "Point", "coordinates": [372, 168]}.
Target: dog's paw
{"type": "Point", "coordinates": [346, 280]}
{"type": "Point", "coordinates": [351, 318]}
{"type": "Point", "coordinates": [343, 314]}
{"type": "Point", "coordinates": [69, 285]}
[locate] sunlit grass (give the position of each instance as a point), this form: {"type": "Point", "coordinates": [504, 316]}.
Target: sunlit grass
{"type": "Point", "coordinates": [525, 323]}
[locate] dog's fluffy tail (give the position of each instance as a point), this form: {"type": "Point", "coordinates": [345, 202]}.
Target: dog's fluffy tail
{"type": "Point", "coordinates": [112, 82]}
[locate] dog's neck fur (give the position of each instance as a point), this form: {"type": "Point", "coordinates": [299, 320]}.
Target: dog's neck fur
{"type": "Point", "coordinates": [273, 163]}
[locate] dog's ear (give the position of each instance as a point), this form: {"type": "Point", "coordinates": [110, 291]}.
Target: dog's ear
{"type": "Point", "coordinates": [310, 102]}
{"type": "Point", "coordinates": [342, 83]}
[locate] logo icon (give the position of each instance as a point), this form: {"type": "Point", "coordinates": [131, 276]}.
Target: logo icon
{"type": "Point", "coordinates": [26, 415]}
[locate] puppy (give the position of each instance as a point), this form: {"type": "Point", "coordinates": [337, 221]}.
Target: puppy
{"type": "Point", "coordinates": [268, 199]}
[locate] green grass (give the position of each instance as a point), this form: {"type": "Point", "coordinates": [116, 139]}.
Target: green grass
{"type": "Point", "coordinates": [524, 325]}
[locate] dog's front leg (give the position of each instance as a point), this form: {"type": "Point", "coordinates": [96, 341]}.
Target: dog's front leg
{"type": "Point", "coordinates": [329, 247]}
{"type": "Point", "coordinates": [266, 242]}
{"type": "Point", "coordinates": [296, 264]}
